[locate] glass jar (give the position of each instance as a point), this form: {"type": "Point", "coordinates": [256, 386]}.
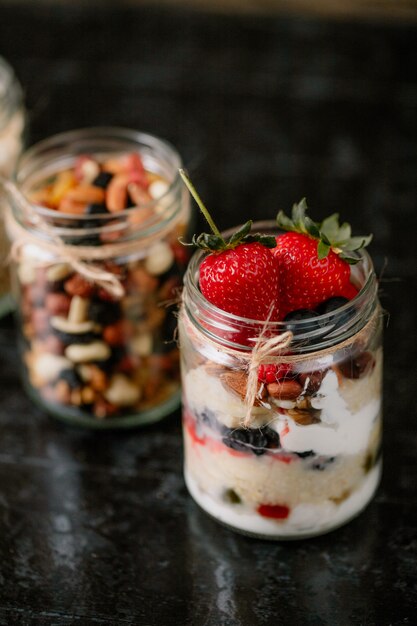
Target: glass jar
{"type": "Point", "coordinates": [12, 125]}
{"type": "Point", "coordinates": [92, 285]}
{"type": "Point", "coordinates": [308, 458]}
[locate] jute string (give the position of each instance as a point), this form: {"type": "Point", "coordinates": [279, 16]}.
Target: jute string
{"type": "Point", "coordinates": [78, 257]}
{"type": "Point", "coordinates": [274, 350]}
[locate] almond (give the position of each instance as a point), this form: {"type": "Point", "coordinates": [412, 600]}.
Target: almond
{"type": "Point", "coordinates": [237, 382]}
{"type": "Point", "coordinates": [284, 389]}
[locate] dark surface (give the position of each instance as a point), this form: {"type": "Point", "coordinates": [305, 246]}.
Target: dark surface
{"type": "Point", "coordinates": [97, 528]}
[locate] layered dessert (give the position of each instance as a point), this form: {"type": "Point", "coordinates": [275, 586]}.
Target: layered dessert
{"type": "Point", "coordinates": [102, 352]}
{"type": "Point", "coordinates": [304, 456]}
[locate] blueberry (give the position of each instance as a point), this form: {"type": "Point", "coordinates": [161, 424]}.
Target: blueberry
{"type": "Point", "coordinates": [299, 315]}
{"type": "Point", "coordinates": [104, 312]}
{"type": "Point", "coordinates": [330, 305]}
{"type": "Point", "coordinates": [102, 179]}
{"type": "Point", "coordinates": [71, 377]}
{"type": "Point", "coordinates": [255, 440]}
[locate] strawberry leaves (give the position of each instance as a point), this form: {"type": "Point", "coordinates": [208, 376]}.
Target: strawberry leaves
{"type": "Point", "coordinates": [215, 242]}
{"type": "Point", "coordinates": [329, 233]}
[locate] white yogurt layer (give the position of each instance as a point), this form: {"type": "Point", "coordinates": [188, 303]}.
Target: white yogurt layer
{"type": "Point", "coordinates": [305, 520]}
{"type": "Point", "coordinates": [339, 432]}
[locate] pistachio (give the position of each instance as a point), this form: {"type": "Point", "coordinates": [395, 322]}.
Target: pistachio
{"type": "Point", "coordinates": [78, 310]}
{"type": "Point", "coordinates": [142, 344]}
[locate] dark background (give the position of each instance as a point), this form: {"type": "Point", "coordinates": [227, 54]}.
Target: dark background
{"type": "Point", "coordinates": [97, 528]}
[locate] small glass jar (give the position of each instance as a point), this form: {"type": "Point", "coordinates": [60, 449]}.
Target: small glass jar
{"type": "Point", "coordinates": [98, 350]}
{"type": "Point", "coordinates": [12, 126]}
{"type": "Point", "coordinates": [308, 459]}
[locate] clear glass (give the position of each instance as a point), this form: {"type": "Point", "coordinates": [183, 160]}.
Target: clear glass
{"type": "Point", "coordinates": [12, 129]}
{"type": "Point", "coordinates": [310, 459]}
{"type": "Point", "coordinates": [90, 357]}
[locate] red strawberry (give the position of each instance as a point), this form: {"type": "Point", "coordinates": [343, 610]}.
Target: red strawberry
{"type": "Point", "coordinates": [240, 275]}
{"type": "Point", "coordinates": [242, 280]}
{"type": "Point", "coordinates": [314, 260]}
{"type": "Point", "coordinates": [272, 373]}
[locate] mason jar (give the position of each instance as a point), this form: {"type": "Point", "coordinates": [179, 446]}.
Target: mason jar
{"type": "Point", "coordinates": [96, 264]}
{"type": "Point", "coordinates": [304, 457]}
{"type": "Point", "coordinates": [12, 126]}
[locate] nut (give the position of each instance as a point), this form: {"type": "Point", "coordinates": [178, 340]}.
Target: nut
{"type": "Point", "coordinates": [78, 310]}
{"type": "Point", "coordinates": [158, 188]}
{"type": "Point", "coordinates": [303, 417]}
{"type": "Point", "coordinates": [116, 193]}
{"type": "Point", "coordinates": [65, 325]}
{"type": "Point", "coordinates": [122, 392]}
{"type": "Point", "coordinates": [78, 286]}
{"type": "Point", "coordinates": [62, 392]}
{"type": "Point", "coordinates": [284, 389]}
{"type": "Point", "coordinates": [86, 194]}
{"type": "Point", "coordinates": [57, 303]}
{"type": "Point", "coordinates": [119, 333]}
{"type": "Point", "coordinates": [311, 381]}
{"type": "Point", "coordinates": [46, 367]}
{"type": "Point", "coordinates": [237, 382]}
{"type": "Point", "coordinates": [83, 353]}
{"type": "Point", "coordinates": [144, 282]}
{"type": "Point", "coordinates": [142, 344]}
{"type": "Point", "coordinates": [26, 273]}
{"type": "Point", "coordinates": [160, 258]}
{"type": "Point", "coordinates": [58, 272]}
{"type": "Point", "coordinates": [357, 366]}
{"type": "Point", "coordinates": [71, 207]}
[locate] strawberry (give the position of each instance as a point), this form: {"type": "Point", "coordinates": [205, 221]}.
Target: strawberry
{"type": "Point", "coordinates": [314, 259]}
{"type": "Point", "coordinates": [239, 276]}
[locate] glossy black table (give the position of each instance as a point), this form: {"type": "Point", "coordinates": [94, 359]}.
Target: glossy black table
{"type": "Point", "coordinates": [97, 528]}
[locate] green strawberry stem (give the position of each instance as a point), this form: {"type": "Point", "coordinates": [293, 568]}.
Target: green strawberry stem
{"type": "Point", "coordinates": [199, 201]}
{"type": "Point", "coordinates": [215, 242]}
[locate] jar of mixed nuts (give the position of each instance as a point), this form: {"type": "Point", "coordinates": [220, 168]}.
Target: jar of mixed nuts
{"type": "Point", "coordinates": [12, 125]}
{"type": "Point", "coordinates": [96, 260]}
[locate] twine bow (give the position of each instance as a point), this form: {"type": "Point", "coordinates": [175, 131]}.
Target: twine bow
{"type": "Point", "coordinates": [67, 254]}
{"type": "Point", "coordinates": [264, 351]}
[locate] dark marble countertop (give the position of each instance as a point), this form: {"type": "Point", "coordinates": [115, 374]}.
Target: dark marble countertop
{"type": "Point", "coordinates": [97, 528]}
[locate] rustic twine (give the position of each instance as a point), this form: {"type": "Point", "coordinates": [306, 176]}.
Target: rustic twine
{"type": "Point", "coordinates": [273, 351]}
{"type": "Point", "coordinates": [76, 256]}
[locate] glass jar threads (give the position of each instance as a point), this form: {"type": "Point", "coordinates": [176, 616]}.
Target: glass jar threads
{"type": "Point", "coordinates": [96, 258]}
{"type": "Point", "coordinates": [304, 456]}
{"type": "Point", "coordinates": [12, 126]}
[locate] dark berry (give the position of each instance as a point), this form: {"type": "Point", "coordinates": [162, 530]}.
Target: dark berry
{"type": "Point", "coordinates": [96, 209]}
{"type": "Point", "coordinates": [357, 366]}
{"type": "Point", "coordinates": [102, 179]}
{"type": "Point", "coordinates": [104, 312]}
{"type": "Point", "coordinates": [301, 315]}
{"type": "Point", "coordinates": [92, 240]}
{"type": "Point", "coordinates": [70, 338]}
{"type": "Point", "coordinates": [332, 304]}
{"type": "Point", "coordinates": [71, 377]}
{"type": "Point", "coordinates": [255, 440]}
